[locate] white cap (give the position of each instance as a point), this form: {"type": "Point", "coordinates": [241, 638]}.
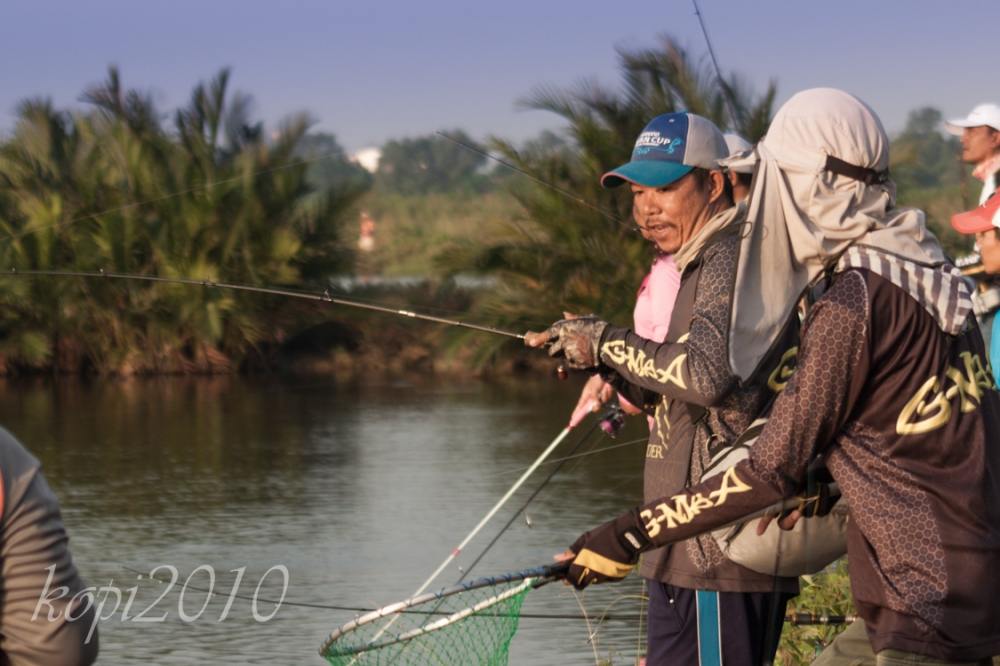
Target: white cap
{"type": "Point", "coordinates": [984, 114]}
{"type": "Point", "coordinates": [737, 146]}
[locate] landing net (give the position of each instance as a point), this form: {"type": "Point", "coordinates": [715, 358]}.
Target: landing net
{"type": "Point", "coordinates": [469, 624]}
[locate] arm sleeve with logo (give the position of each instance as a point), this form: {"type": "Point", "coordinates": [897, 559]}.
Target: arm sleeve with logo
{"type": "Point", "coordinates": [832, 369]}
{"type": "Point", "coordinates": [696, 368]}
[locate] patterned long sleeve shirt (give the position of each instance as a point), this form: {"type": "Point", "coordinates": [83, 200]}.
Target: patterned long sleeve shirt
{"type": "Point", "coordinates": [697, 405]}
{"type": "Point", "coordinates": [907, 419]}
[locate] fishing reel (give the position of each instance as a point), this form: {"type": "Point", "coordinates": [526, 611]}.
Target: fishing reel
{"type": "Point", "coordinates": [612, 421]}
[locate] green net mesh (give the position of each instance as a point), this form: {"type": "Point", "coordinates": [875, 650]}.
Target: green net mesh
{"type": "Point", "coordinates": [471, 627]}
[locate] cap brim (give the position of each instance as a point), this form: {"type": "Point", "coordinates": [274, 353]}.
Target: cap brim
{"type": "Point", "coordinates": [956, 127]}
{"type": "Point", "coordinates": [981, 219]}
{"type": "Point", "coordinates": [970, 223]}
{"type": "Point", "coordinates": [646, 173]}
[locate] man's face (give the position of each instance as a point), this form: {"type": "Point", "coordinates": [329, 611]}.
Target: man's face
{"type": "Point", "coordinates": [989, 250]}
{"type": "Point", "coordinates": [668, 216]}
{"type": "Point", "coordinates": [979, 143]}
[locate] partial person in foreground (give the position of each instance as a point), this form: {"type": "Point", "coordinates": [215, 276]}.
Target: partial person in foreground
{"type": "Point", "coordinates": [891, 391]}
{"type": "Point", "coordinates": [46, 616]}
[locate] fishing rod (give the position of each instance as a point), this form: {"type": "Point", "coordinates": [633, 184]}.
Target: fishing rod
{"type": "Point", "coordinates": [457, 550]}
{"type": "Point", "coordinates": [726, 90]}
{"type": "Point", "coordinates": [324, 296]}
{"type": "Point", "coordinates": [610, 415]}
{"type": "Point", "coordinates": [566, 193]}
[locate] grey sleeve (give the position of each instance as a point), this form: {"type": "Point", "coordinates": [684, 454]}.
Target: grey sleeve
{"type": "Point", "coordinates": [45, 616]}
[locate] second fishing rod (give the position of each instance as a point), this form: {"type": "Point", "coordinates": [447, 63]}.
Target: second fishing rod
{"type": "Point", "coordinates": [323, 296]}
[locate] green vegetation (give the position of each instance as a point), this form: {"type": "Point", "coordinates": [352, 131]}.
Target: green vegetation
{"type": "Point", "coordinates": [431, 164]}
{"type": "Point", "coordinates": [212, 196]}
{"type": "Point", "coordinates": [568, 256]}
{"type": "Point", "coordinates": [930, 175]}
{"type": "Point", "coordinates": [828, 593]}
{"type": "Point", "coordinates": [207, 192]}
{"type": "Point", "coordinates": [413, 230]}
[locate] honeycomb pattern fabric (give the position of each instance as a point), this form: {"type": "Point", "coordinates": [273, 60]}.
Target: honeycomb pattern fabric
{"type": "Point", "coordinates": [691, 368]}
{"type": "Point", "coordinates": [898, 523]}
{"type": "Point", "coordinates": [723, 424]}
{"type": "Point", "coordinates": [818, 394]}
{"type": "Point", "coordinates": [907, 419]}
{"type": "Point", "coordinates": [692, 365]}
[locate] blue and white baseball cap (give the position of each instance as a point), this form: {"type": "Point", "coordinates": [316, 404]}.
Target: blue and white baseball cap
{"type": "Point", "coordinates": [668, 148]}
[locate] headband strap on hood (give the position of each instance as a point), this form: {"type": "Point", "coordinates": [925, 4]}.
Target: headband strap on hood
{"type": "Point", "coordinates": [863, 174]}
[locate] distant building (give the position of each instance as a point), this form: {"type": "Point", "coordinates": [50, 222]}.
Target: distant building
{"type": "Point", "coordinates": [368, 158]}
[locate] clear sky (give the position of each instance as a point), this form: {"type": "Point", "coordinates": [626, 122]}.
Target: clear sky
{"type": "Point", "coordinates": [371, 70]}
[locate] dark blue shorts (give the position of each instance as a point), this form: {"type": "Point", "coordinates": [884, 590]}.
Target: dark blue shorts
{"type": "Point", "coordinates": [704, 628]}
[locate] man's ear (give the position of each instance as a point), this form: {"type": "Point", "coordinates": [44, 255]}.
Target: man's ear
{"type": "Point", "coordinates": [717, 182]}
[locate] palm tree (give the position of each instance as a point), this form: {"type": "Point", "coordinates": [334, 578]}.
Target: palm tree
{"type": "Point", "coordinates": [48, 180]}
{"type": "Point", "coordinates": [585, 258]}
{"type": "Point", "coordinates": [213, 197]}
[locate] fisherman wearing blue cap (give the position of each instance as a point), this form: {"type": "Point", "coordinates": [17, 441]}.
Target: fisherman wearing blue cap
{"type": "Point", "coordinates": [891, 392]}
{"type": "Point", "coordinates": [701, 603]}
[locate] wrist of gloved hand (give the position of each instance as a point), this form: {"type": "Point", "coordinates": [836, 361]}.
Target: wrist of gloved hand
{"type": "Point", "coordinates": [578, 341]}
{"type": "Point", "coordinates": [609, 552]}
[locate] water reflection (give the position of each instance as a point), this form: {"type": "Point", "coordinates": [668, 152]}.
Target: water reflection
{"type": "Point", "coordinates": [358, 491]}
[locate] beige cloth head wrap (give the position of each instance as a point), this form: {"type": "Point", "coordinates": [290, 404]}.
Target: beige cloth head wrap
{"type": "Point", "coordinates": [802, 217]}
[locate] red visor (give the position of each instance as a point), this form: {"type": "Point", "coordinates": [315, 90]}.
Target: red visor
{"type": "Point", "coordinates": [984, 218]}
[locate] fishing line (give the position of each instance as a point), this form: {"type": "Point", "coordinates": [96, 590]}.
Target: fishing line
{"type": "Point", "coordinates": [579, 442]}
{"type": "Point", "coordinates": [165, 197]}
{"type": "Point", "coordinates": [574, 457]}
{"type": "Point", "coordinates": [362, 609]}
{"type": "Point", "coordinates": [566, 193]}
{"type": "Point", "coordinates": [468, 569]}
{"type": "Point", "coordinates": [791, 618]}
{"type": "Point", "coordinates": [333, 289]}
{"type": "Point", "coordinates": [274, 291]}
{"type": "Point", "coordinates": [457, 550]}
{"type": "Point", "coordinates": [727, 93]}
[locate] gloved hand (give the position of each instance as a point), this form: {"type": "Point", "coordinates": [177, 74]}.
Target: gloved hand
{"type": "Point", "coordinates": [575, 338]}
{"type": "Point", "coordinates": [609, 552]}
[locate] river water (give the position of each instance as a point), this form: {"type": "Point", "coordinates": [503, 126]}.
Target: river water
{"type": "Point", "coordinates": [328, 494]}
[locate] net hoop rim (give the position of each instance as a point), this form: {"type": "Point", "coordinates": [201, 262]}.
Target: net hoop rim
{"type": "Point", "coordinates": [436, 625]}
{"type": "Point", "coordinates": [530, 578]}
